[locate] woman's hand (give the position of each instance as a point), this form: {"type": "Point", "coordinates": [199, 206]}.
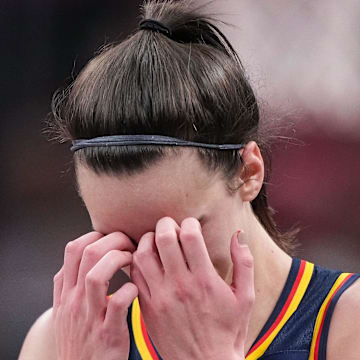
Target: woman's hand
{"type": "Point", "coordinates": [89, 325]}
{"type": "Point", "coordinates": [189, 310]}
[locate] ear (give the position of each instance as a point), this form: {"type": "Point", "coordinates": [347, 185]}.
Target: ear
{"type": "Point", "coordinates": [252, 173]}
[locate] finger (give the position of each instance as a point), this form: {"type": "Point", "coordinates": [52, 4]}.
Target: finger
{"type": "Point", "coordinates": [58, 285]}
{"type": "Point", "coordinates": [98, 278]}
{"type": "Point", "coordinates": [194, 248]}
{"type": "Point", "coordinates": [147, 260]}
{"type": "Point", "coordinates": [138, 279]}
{"type": "Point", "coordinates": [243, 269]}
{"type": "Point", "coordinates": [117, 309]}
{"type": "Point", "coordinates": [73, 254]}
{"type": "Point", "coordinates": [95, 251]}
{"type": "Point", "coordinates": [167, 244]}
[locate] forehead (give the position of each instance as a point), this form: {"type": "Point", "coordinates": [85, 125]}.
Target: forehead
{"type": "Point", "coordinates": [177, 187]}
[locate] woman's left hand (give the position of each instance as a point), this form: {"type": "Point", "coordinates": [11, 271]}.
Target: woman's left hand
{"type": "Point", "coordinates": [190, 312]}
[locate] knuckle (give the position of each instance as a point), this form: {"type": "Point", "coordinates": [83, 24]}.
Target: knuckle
{"type": "Point", "coordinates": [247, 260]}
{"type": "Point", "coordinates": [120, 237]}
{"type": "Point", "coordinates": [117, 233]}
{"type": "Point", "coordinates": [71, 247]}
{"type": "Point", "coordinates": [95, 234]}
{"type": "Point", "coordinates": [149, 236]}
{"type": "Point", "coordinates": [163, 238]}
{"type": "Point", "coordinates": [182, 295]}
{"type": "Point", "coordinates": [75, 245]}
{"type": "Point", "coordinates": [247, 298]}
{"type": "Point", "coordinates": [118, 303]}
{"type": "Point", "coordinates": [127, 255]}
{"type": "Point", "coordinates": [162, 306]}
{"type": "Point", "coordinates": [114, 256]}
{"type": "Point", "coordinates": [57, 276]}
{"type": "Point", "coordinates": [113, 253]}
{"type": "Point", "coordinates": [205, 284]}
{"type": "Point", "coordinates": [110, 339]}
{"type": "Point", "coordinates": [188, 235]}
{"type": "Point", "coordinates": [90, 252]}
{"type": "Point", "coordinates": [91, 279]}
{"type": "Point", "coordinates": [182, 291]}
{"type": "Point", "coordinates": [105, 334]}
{"type": "Point", "coordinates": [141, 254]}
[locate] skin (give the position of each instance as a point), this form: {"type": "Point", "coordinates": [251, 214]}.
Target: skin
{"type": "Point", "coordinates": [183, 203]}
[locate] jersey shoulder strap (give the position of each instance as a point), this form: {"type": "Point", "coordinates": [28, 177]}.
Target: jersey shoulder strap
{"type": "Point", "coordinates": [322, 323]}
{"type": "Point", "coordinates": [290, 300]}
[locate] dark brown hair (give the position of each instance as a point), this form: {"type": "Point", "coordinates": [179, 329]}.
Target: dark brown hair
{"type": "Point", "coordinates": [191, 86]}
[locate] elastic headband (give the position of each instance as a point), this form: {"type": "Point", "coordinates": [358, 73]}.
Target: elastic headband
{"type": "Point", "coordinates": [154, 25]}
{"type": "Point", "coordinates": [121, 140]}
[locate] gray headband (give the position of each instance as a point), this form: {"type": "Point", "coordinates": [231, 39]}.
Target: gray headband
{"type": "Point", "coordinates": [118, 140]}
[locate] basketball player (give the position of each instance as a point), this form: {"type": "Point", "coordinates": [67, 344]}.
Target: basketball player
{"type": "Point", "coordinates": [171, 164]}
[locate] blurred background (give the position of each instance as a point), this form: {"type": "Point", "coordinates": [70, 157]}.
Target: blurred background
{"type": "Point", "coordinates": [303, 59]}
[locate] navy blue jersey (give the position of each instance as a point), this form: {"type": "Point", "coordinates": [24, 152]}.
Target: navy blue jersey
{"type": "Point", "coordinates": [297, 328]}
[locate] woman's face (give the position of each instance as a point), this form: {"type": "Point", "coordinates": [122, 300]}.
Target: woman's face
{"type": "Point", "coordinates": [178, 187]}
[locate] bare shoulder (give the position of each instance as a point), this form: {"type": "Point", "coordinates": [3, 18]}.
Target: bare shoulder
{"type": "Point", "coordinates": [39, 343]}
{"type": "Point", "coordinates": [344, 331]}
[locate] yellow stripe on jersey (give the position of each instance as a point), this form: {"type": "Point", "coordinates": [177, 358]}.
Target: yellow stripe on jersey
{"type": "Point", "coordinates": [138, 334]}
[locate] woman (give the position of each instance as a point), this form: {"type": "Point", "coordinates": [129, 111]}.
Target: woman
{"type": "Point", "coordinates": [186, 218]}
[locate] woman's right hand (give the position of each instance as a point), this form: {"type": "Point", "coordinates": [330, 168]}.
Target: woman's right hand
{"type": "Point", "coordinates": [89, 325]}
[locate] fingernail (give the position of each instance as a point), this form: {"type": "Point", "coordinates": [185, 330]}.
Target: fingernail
{"type": "Point", "coordinates": [240, 237]}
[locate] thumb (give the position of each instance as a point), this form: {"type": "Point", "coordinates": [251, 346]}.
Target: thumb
{"type": "Point", "coordinates": [243, 269]}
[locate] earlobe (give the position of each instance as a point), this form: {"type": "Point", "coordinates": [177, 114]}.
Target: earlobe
{"type": "Point", "coordinates": [252, 172]}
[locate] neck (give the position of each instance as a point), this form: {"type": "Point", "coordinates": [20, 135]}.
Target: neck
{"type": "Point", "coordinates": [270, 262]}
